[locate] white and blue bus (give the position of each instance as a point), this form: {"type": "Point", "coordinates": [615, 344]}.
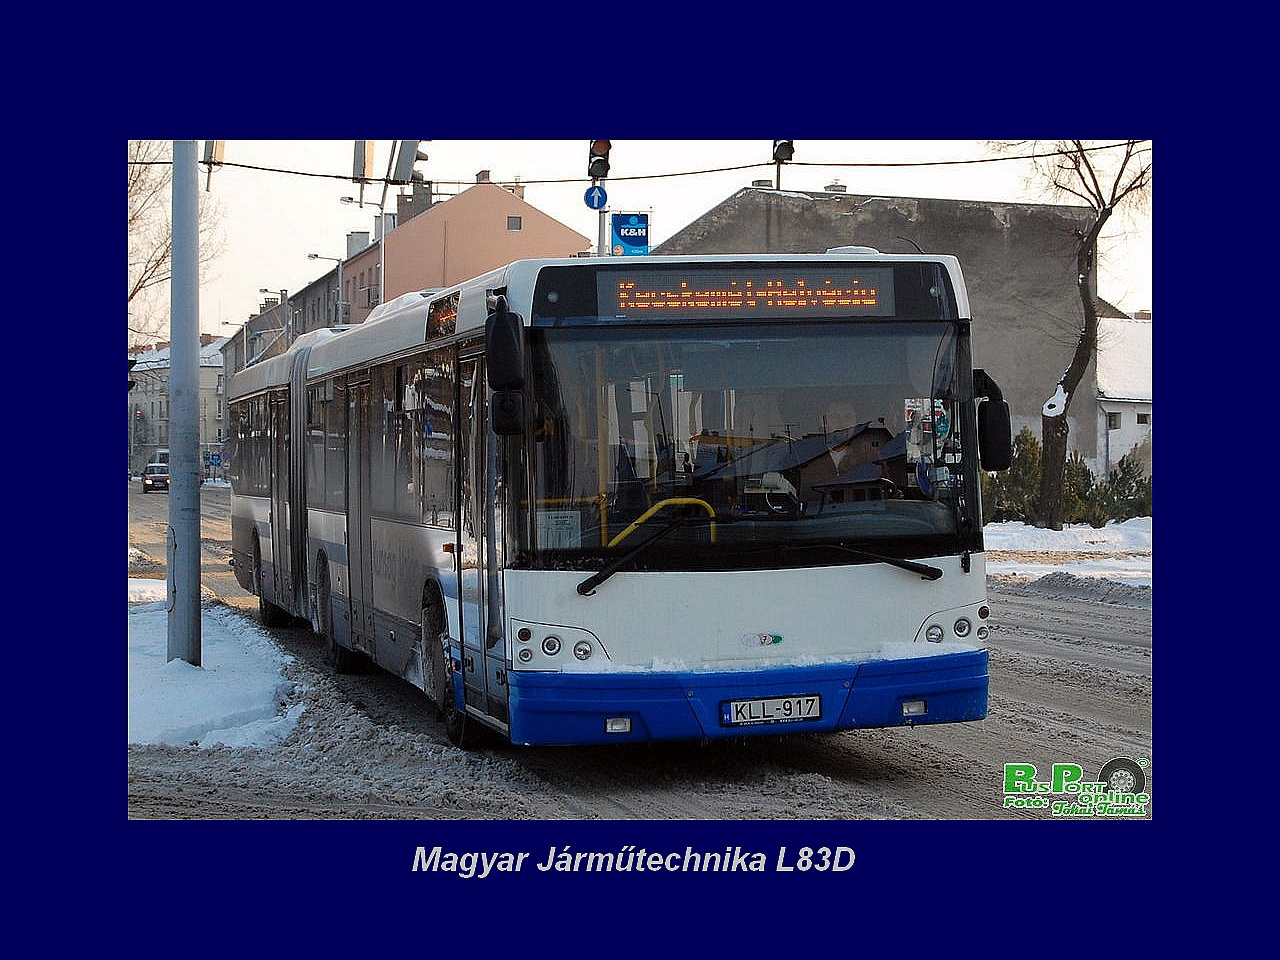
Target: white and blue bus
{"type": "Point", "coordinates": [605, 500]}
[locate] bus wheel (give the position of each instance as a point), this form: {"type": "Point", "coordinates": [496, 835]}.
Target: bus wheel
{"type": "Point", "coordinates": [268, 612]}
{"type": "Point", "coordinates": [463, 732]}
{"type": "Point", "coordinates": [434, 680]}
{"type": "Point", "coordinates": [339, 658]}
{"type": "Point", "coordinates": [1123, 775]}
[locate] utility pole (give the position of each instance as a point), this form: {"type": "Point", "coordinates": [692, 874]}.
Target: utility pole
{"type": "Point", "coordinates": [184, 443]}
{"type": "Point", "coordinates": [597, 170]}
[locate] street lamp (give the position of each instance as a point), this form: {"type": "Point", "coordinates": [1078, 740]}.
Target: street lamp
{"type": "Point", "coordinates": [286, 323]}
{"type": "Point", "coordinates": [339, 262]}
{"type": "Point", "coordinates": [244, 341]}
{"type": "Point", "coordinates": [382, 244]}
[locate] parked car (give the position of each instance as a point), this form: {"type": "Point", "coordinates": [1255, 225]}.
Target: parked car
{"type": "Point", "coordinates": [155, 477]}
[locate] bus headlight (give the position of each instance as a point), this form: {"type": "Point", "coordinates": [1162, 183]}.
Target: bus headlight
{"type": "Point", "coordinates": [934, 633]}
{"type": "Point", "coordinates": [549, 646]}
{"type": "Point", "coordinates": [962, 627]}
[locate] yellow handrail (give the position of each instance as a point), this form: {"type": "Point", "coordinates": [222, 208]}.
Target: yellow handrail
{"type": "Point", "coordinates": [669, 502]}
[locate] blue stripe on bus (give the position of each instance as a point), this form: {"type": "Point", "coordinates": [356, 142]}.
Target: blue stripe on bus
{"type": "Point", "coordinates": [554, 708]}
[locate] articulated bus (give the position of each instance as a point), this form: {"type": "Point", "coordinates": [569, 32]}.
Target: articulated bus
{"type": "Point", "coordinates": [604, 500]}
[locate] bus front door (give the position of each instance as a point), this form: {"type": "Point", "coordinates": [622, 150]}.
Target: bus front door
{"type": "Point", "coordinates": [359, 547]}
{"type": "Point", "coordinates": [479, 552]}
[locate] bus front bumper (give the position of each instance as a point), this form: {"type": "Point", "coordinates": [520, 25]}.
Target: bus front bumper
{"type": "Point", "coordinates": [555, 708]}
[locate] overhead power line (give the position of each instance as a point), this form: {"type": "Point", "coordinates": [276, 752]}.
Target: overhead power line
{"type": "Point", "coordinates": [694, 173]}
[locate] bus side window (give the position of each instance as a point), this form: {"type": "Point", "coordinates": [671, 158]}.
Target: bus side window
{"type": "Point", "coordinates": [436, 442]}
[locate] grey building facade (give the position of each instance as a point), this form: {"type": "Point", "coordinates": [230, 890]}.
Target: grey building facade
{"type": "Point", "coordinates": [148, 434]}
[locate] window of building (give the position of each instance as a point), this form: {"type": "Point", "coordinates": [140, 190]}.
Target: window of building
{"type": "Point", "coordinates": [514, 223]}
{"type": "Point", "coordinates": [1113, 421]}
{"type": "Point", "coordinates": [1144, 418]}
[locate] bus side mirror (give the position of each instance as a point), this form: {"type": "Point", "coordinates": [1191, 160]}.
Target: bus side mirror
{"type": "Point", "coordinates": [504, 347]}
{"type": "Point", "coordinates": [995, 432]}
{"type": "Point", "coordinates": [506, 413]}
{"type": "Point", "coordinates": [995, 435]}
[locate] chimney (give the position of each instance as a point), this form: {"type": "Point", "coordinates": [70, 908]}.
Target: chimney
{"type": "Point", "coordinates": [516, 188]}
{"type": "Point", "coordinates": [482, 176]}
{"type": "Point", "coordinates": [1142, 315]}
{"type": "Point", "coordinates": [835, 186]}
{"type": "Point", "coordinates": [408, 207]}
{"type": "Point", "coordinates": [357, 241]}
{"type": "Point", "coordinates": [762, 183]}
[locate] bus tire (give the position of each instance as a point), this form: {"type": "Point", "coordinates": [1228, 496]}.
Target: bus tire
{"type": "Point", "coordinates": [268, 612]}
{"type": "Point", "coordinates": [462, 731]}
{"type": "Point", "coordinates": [433, 628]}
{"type": "Point", "coordinates": [339, 658]}
{"type": "Point", "coordinates": [1123, 776]}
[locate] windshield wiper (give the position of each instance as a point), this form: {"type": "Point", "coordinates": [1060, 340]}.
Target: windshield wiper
{"type": "Point", "coordinates": [926, 571]}
{"type": "Point", "coordinates": [588, 586]}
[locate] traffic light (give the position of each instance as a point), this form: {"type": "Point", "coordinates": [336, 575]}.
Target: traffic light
{"type": "Point", "coordinates": [783, 150]}
{"type": "Point", "coordinates": [407, 154]}
{"type": "Point", "coordinates": [598, 159]}
{"type": "Point", "coordinates": [132, 382]}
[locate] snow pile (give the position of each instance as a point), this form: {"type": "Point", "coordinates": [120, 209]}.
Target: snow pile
{"type": "Point", "coordinates": [237, 697]}
{"type": "Point", "coordinates": [1061, 585]}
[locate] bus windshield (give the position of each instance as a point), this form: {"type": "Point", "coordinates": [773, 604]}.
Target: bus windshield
{"type": "Point", "coordinates": [748, 445]}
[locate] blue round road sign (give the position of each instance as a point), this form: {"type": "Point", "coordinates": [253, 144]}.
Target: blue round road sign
{"type": "Point", "coordinates": [595, 197]}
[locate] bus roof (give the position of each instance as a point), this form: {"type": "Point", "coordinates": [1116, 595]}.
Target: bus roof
{"type": "Point", "coordinates": [274, 371]}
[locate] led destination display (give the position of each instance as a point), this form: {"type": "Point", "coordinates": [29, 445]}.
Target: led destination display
{"type": "Point", "coordinates": [853, 292]}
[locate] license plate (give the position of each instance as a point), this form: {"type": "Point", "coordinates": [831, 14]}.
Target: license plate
{"type": "Point", "coordinates": [738, 713]}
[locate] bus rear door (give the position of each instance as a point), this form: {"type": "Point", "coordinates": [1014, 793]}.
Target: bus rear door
{"type": "Point", "coordinates": [281, 534]}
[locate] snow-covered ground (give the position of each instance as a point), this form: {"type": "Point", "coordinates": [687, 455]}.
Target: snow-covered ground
{"type": "Point", "coordinates": [1118, 551]}
{"type": "Point", "coordinates": [238, 695]}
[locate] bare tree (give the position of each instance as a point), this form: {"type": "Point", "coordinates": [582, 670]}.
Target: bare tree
{"type": "Point", "coordinates": [151, 237]}
{"type": "Point", "coordinates": [1106, 180]}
